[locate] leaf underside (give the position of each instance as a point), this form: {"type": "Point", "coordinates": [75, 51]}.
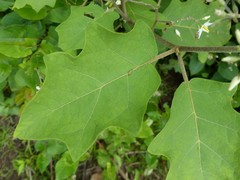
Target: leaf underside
{"type": "Point", "coordinates": [106, 85]}
{"type": "Point", "coordinates": [201, 139]}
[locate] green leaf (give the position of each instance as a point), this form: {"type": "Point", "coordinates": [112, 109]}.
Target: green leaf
{"type": "Point", "coordinates": [12, 18]}
{"type": "Point", "coordinates": [203, 57]}
{"type": "Point", "coordinates": [145, 130]}
{"type": "Point", "coordinates": [65, 167]}
{"type": "Point", "coordinates": [5, 70]}
{"type": "Point", "coordinates": [201, 139]}
{"type": "Point", "coordinates": [108, 84]}
{"type": "Point", "coordinates": [227, 71]}
{"type": "Point", "coordinates": [145, 11]}
{"type": "Point", "coordinates": [5, 4]}
{"type": "Point", "coordinates": [18, 40]}
{"type": "Point", "coordinates": [49, 150]}
{"type": "Point", "coordinates": [36, 5]}
{"type": "Point", "coordinates": [43, 160]}
{"type": "Point", "coordinates": [59, 14]}
{"type": "Point", "coordinates": [195, 66]}
{"type": "Point", "coordinates": [187, 16]}
{"type": "Point", "coordinates": [77, 23]}
{"type": "Point", "coordinates": [28, 13]}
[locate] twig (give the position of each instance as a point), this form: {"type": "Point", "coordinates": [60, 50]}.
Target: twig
{"type": "Point", "coordinates": [122, 174]}
{"type": "Point", "coordinates": [181, 64]}
{"type": "Point", "coordinates": [124, 16]}
{"type": "Point", "coordinates": [51, 170]}
{"type": "Point", "coordinates": [84, 3]}
{"type": "Point", "coordinates": [124, 9]}
{"type": "Point", "coordinates": [142, 3]}
{"type": "Point", "coordinates": [219, 49]}
{"type": "Point", "coordinates": [130, 153]}
{"type": "Point", "coordinates": [156, 15]}
{"type": "Point", "coordinates": [163, 169]}
{"type": "Point", "coordinates": [155, 59]}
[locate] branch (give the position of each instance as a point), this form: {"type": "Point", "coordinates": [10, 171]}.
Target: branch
{"type": "Point", "coordinates": [142, 3]}
{"type": "Point", "coordinates": [155, 59]}
{"type": "Point", "coordinates": [124, 15]}
{"type": "Point", "coordinates": [219, 49]}
{"type": "Point", "coordinates": [182, 66]}
{"type": "Point", "coordinates": [156, 15]}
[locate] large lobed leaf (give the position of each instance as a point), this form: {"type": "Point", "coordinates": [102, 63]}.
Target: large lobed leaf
{"type": "Point", "coordinates": [201, 139]}
{"type": "Point", "coordinates": [108, 84]}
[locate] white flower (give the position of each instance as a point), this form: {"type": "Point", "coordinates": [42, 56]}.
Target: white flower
{"type": "Point", "coordinates": [206, 17]}
{"type": "Point", "coordinates": [235, 81]}
{"type": "Point", "coordinates": [231, 59]}
{"type": "Point", "coordinates": [220, 12]}
{"type": "Point", "coordinates": [38, 88]}
{"type": "Point", "coordinates": [178, 34]}
{"type": "Point", "coordinates": [237, 32]}
{"type": "Point", "coordinates": [118, 2]}
{"type": "Point", "coordinates": [204, 28]}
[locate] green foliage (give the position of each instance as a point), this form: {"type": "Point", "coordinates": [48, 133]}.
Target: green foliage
{"type": "Point", "coordinates": [18, 40]}
{"type": "Point", "coordinates": [5, 4]}
{"type": "Point", "coordinates": [65, 167]}
{"type": "Point", "coordinates": [187, 18]}
{"type": "Point", "coordinates": [194, 137]}
{"type": "Point", "coordinates": [36, 5]}
{"type": "Point", "coordinates": [77, 23]}
{"type": "Point", "coordinates": [47, 151]}
{"type": "Point", "coordinates": [113, 99]}
{"type": "Point", "coordinates": [145, 13]}
{"type": "Point", "coordinates": [79, 72]}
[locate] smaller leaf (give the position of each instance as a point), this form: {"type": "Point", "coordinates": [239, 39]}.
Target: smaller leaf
{"type": "Point", "coordinates": [203, 57]}
{"type": "Point", "coordinates": [5, 70]}
{"type": "Point", "coordinates": [59, 14]}
{"type": "Point", "coordinates": [36, 5]}
{"type": "Point", "coordinates": [195, 65]}
{"type": "Point", "coordinates": [5, 4]}
{"type": "Point", "coordinates": [227, 71]}
{"type": "Point", "coordinates": [43, 161]}
{"type": "Point", "coordinates": [145, 130]}
{"type": "Point", "coordinates": [145, 11]}
{"type": "Point", "coordinates": [28, 13]}
{"type": "Point", "coordinates": [18, 40]}
{"type": "Point", "coordinates": [65, 167]}
{"type": "Point", "coordinates": [12, 18]}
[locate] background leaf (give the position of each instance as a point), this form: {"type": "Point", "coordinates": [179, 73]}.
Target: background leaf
{"type": "Point", "coordinates": [202, 133]}
{"type": "Point", "coordinates": [84, 95]}
{"type": "Point", "coordinates": [145, 12]}
{"type": "Point", "coordinates": [5, 4]}
{"type": "Point", "coordinates": [186, 18]}
{"type": "Point", "coordinates": [36, 5]}
{"type": "Point", "coordinates": [18, 40]}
